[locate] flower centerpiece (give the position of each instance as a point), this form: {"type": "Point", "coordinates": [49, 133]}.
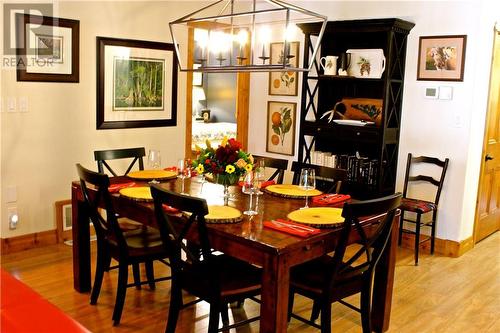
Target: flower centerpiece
{"type": "Point", "coordinates": [226, 163]}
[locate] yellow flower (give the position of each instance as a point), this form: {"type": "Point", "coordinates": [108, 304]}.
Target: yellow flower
{"type": "Point", "coordinates": [248, 167]}
{"type": "Point", "coordinates": [197, 148]}
{"type": "Point", "coordinates": [250, 158]}
{"type": "Point", "coordinates": [241, 163]}
{"type": "Point", "coordinates": [207, 142]}
{"type": "Point", "coordinates": [200, 169]}
{"type": "Point", "coordinates": [224, 141]}
{"type": "Point", "coordinates": [230, 168]}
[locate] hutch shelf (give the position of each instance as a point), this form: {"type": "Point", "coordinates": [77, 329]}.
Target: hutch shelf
{"type": "Point", "coordinates": [370, 152]}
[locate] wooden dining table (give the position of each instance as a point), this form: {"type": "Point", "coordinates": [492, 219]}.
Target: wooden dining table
{"type": "Point", "coordinates": [275, 251]}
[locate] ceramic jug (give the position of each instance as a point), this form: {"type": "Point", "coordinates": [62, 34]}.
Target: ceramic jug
{"type": "Point", "coordinates": [329, 64]}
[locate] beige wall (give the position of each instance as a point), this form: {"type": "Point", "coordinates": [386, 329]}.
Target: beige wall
{"type": "Point", "coordinates": [39, 148]}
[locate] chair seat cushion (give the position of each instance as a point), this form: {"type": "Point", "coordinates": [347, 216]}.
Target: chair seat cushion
{"type": "Point", "coordinates": [235, 277]}
{"type": "Point", "coordinates": [417, 206]}
{"type": "Point", "coordinates": [309, 279]}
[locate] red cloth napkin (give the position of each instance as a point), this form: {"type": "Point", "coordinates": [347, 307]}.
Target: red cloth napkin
{"type": "Point", "coordinates": [330, 199]}
{"type": "Point", "coordinates": [292, 228]}
{"type": "Point", "coordinates": [171, 168]}
{"type": "Point", "coordinates": [170, 209]}
{"type": "Point", "coordinates": [263, 185]}
{"type": "Point", "coordinates": [117, 187]}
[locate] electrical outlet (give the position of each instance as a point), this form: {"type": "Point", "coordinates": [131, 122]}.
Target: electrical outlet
{"type": "Point", "coordinates": [13, 217]}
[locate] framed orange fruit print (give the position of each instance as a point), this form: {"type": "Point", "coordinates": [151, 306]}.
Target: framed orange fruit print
{"type": "Point", "coordinates": [284, 83]}
{"type": "Point", "coordinates": [280, 137]}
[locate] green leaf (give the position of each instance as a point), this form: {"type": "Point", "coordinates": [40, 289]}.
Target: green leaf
{"type": "Point", "coordinates": [292, 79]}
{"type": "Point", "coordinates": [276, 129]}
{"type": "Point", "coordinates": [287, 124]}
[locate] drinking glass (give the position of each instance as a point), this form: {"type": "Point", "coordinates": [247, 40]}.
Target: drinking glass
{"type": "Point", "coordinates": [248, 188]}
{"type": "Point", "coordinates": [154, 159]}
{"type": "Point", "coordinates": [307, 182]}
{"type": "Point", "coordinates": [259, 175]}
{"type": "Point", "coordinates": [183, 172]}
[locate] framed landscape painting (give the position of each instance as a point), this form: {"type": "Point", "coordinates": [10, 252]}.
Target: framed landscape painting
{"type": "Point", "coordinates": [136, 84]}
{"type": "Point", "coordinates": [280, 137]}
{"type": "Point", "coordinates": [441, 58]}
{"type": "Point", "coordinates": [47, 49]}
{"type": "Point", "coordinates": [284, 83]}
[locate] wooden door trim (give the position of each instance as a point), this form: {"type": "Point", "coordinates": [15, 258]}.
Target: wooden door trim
{"type": "Point", "coordinates": [485, 139]}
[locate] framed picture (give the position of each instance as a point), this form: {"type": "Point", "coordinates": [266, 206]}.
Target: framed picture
{"type": "Point", "coordinates": [280, 137]}
{"type": "Point", "coordinates": [441, 58]}
{"type": "Point", "coordinates": [136, 84]}
{"type": "Point", "coordinates": [283, 83]}
{"type": "Point", "coordinates": [47, 49]}
{"type": "Point", "coordinates": [197, 76]}
{"type": "Point", "coordinates": [63, 220]}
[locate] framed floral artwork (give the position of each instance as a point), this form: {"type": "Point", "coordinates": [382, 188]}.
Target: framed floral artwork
{"type": "Point", "coordinates": [136, 84]}
{"type": "Point", "coordinates": [47, 49]}
{"type": "Point", "coordinates": [441, 58]}
{"type": "Point", "coordinates": [284, 83]}
{"type": "Point", "coordinates": [280, 137]}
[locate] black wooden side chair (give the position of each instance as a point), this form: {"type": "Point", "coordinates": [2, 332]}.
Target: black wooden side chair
{"type": "Point", "coordinates": [331, 279]}
{"type": "Point", "coordinates": [216, 279]}
{"type": "Point", "coordinates": [132, 247]}
{"type": "Point", "coordinates": [279, 164]}
{"type": "Point", "coordinates": [137, 154]}
{"type": "Point", "coordinates": [420, 207]}
{"type": "Point", "coordinates": [328, 179]}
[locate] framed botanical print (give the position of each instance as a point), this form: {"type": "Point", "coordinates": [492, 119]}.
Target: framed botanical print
{"type": "Point", "coordinates": [441, 58]}
{"type": "Point", "coordinates": [280, 137]}
{"type": "Point", "coordinates": [284, 83]}
{"type": "Point", "coordinates": [47, 48]}
{"type": "Point", "coordinates": [136, 84]}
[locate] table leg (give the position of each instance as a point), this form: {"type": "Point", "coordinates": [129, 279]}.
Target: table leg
{"type": "Point", "coordinates": [81, 243]}
{"type": "Point", "coordinates": [384, 282]}
{"type": "Point", "coordinates": [274, 307]}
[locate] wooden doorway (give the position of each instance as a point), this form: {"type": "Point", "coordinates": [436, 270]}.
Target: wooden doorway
{"type": "Point", "coordinates": [242, 100]}
{"type": "Point", "coordinates": [488, 205]}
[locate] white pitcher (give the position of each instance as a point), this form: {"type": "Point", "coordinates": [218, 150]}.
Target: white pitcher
{"type": "Point", "coordinates": [329, 64]}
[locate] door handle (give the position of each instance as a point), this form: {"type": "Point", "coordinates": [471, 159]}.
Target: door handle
{"type": "Point", "coordinates": [488, 158]}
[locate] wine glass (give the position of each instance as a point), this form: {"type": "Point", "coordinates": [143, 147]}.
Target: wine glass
{"type": "Point", "coordinates": [248, 188]}
{"type": "Point", "coordinates": [183, 172]}
{"type": "Point", "coordinates": [307, 182]}
{"type": "Point", "coordinates": [259, 175]}
{"type": "Point", "coordinates": [154, 159]}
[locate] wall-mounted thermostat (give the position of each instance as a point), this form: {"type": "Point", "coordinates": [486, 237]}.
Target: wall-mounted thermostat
{"type": "Point", "coordinates": [431, 92]}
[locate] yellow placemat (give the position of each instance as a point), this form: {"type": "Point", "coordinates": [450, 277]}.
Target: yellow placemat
{"type": "Point", "coordinates": [223, 214]}
{"type": "Point", "coordinates": [137, 193]}
{"type": "Point", "coordinates": [291, 191]}
{"type": "Point", "coordinates": [319, 217]}
{"type": "Point", "coordinates": [152, 174]}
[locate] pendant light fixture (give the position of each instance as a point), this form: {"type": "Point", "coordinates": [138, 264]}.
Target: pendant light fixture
{"type": "Point", "coordinates": [235, 36]}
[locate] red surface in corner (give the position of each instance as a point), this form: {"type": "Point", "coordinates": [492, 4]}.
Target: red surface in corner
{"type": "Point", "coordinates": [22, 310]}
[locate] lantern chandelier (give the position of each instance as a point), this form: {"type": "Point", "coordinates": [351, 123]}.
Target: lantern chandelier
{"type": "Point", "coordinates": [235, 36]}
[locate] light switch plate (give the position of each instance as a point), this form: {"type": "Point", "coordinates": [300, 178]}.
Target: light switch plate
{"type": "Point", "coordinates": [446, 93]}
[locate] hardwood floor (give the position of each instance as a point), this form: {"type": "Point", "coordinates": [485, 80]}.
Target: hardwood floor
{"type": "Point", "coordinates": [440, 295]}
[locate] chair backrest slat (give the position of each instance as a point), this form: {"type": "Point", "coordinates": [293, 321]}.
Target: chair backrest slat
{"type": "Point", "coordinates": [372, 244]}
{"type": "Point", "coordinates": [328, 179]}
{"type": "Point", "coordinates": [281, 165]}
{"type": "Point", "coordinates": [105, 228]}
{"type": "Point", "coordinates": [411, 161]}
{"type": "Point", "coordinates": [101, 156]}
{"type": "Point", "coordinates": [175, 228]}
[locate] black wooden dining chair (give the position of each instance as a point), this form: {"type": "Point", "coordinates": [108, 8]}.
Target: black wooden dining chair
{"type": "Point", "coordinates": [131, 247]}
{"type": "Point", "coordinates": [330, 279]}
{"type": "Point", "coordinates": [328, 179]}
{"type": "Point", "coordinates": [216, 279]}
{"type": "Point", "coordinates": [137, 154]}
{"type": "Point", "coordinates": [419, 206]}
{"type": "Point", "coordinates": [279, 164]}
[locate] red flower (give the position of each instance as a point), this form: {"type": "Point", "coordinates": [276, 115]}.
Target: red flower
{"type": "Point", "coordinates": [207, 161]}
{"type": "Point", "coordinates": [234, 144]}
